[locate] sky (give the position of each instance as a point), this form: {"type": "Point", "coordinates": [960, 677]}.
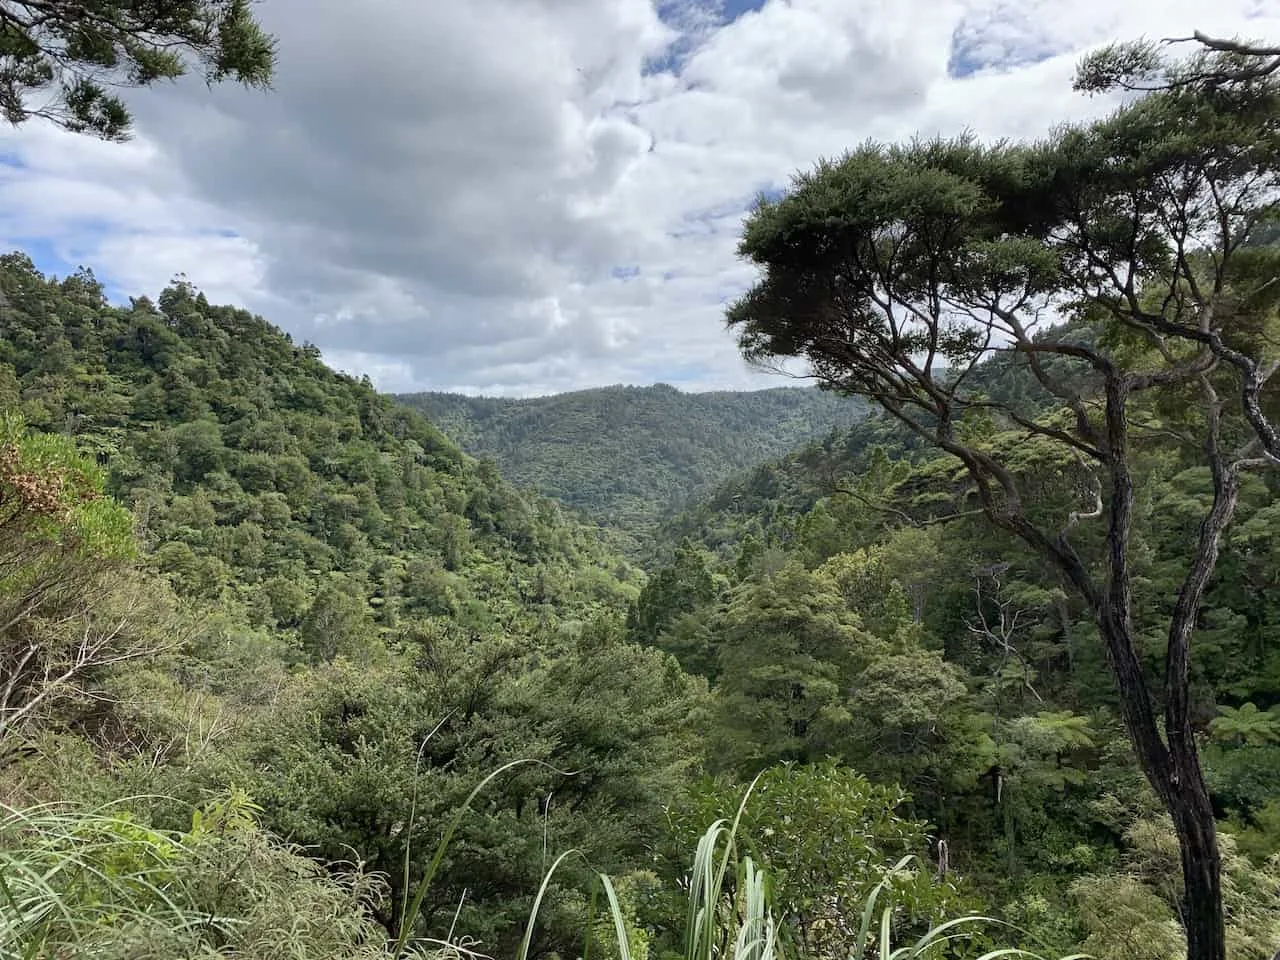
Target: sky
{"type": "Point", "coordinates": [522, 197]}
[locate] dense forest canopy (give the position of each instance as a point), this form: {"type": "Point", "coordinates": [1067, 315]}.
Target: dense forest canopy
{"type": "Point", "coordinates": [285, 672]}
{"type": "Point", "coordinates": [626, 457]}
{"type": "Point", "coordinates": [65, 62]}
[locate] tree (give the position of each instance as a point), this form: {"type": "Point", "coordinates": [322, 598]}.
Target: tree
{"type": "Point", "coordinates": [70, 53]}
{"type": "Point", "coordinates": [337, 622]}
{"type": "Point", "coordinates": [1247, 724]}
{"type": "Point", "coordinates": [1144, 65]}
{"type": "Point", "coordinates": [69, 608]}
{"type": "Point", "coordinates": [896, 270]}
{"type": "Point", "coordinates": [678, 589]}
{"type": "Point", "coordinates": [379, 758]}
{"type": "Point", "coordinates": [789, 649]}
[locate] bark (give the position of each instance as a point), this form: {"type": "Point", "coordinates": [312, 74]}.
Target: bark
{"type": "Point", "coordinates": [1170, 761]}
{"type": "Point", "coordinates": [1201, 863]}
{"type": "Point", "coordinates": [1174, 773]}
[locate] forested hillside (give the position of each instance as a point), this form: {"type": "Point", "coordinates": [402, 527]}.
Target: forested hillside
{"type": "Point", "coordinates": [259, 475]}
{"type": "Point", "coordinates": [845, 606]}
{"type": "Point", "coordinates": [765, 501]}
{"type": "Point", "coordinates": [626, 457]}
{"type": "Point", "coordinates": [337, 624]}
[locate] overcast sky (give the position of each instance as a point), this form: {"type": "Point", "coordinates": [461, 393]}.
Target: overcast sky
{"type": "Point", "coordinates": [528, 196]}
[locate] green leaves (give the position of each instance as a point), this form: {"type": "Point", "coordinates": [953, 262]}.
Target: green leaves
{"type": "Point", "coordinates": [1130, 913]}
{"type": "Point", "coordinates": [78, 51]}
{"type": "Point", "coordinates": [789, 649]}
{"type": "Point", "coordinates": [1247, 725]}
{"type": "Point", "coordinates": [50, 491]}
{"type": "Point", "coordinates": [827, 838]}
{"type": "Point", "coordinates": [862, 245]}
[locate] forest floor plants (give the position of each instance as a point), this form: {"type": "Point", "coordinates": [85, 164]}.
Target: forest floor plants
{"type": "Point", "coordinates": [76, 881]}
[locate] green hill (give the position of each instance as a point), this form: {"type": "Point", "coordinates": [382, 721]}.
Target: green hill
{"type": "Point", "coordinates": [628, 456]}
{"type": "Point", "coordinates": [764, 499]}
{"type": "Point", "coordinates": [262, 476]}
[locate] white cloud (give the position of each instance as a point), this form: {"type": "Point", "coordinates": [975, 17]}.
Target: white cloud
{"type": "Point", "coordinates": [497, 196]}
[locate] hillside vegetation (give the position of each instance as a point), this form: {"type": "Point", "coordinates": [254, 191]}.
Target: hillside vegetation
{"type": "Point", "coordinates": [285, 601]}
{"type": "Point", "coordinates": [259, 475]}
{"type": "Point", "coordinates": [288, 673]}
{"type": "Point", "coordinates": [766, 500]}
{"type": "Point", "coordinates": [625, 457]}
{"type": "Point", "coordinates": [320, 629]}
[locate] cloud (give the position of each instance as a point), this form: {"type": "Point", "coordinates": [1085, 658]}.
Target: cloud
{"type": "Point", "coordinates": [524, 196]}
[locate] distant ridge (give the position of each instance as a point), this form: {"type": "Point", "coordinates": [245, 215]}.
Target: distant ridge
{"type": "Point", "coordinates": [627, 456]}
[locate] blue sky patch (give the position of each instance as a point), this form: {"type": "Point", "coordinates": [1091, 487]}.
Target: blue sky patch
{"type": "Point", "coordinates": [962, 63]}
{"type": "Point", "coordinates": [50, 261]}
{"type": "Point", "coordinates": [719, 211]}
{"type": "Point", "coordinates": [694, 19]}
{"type": "Point", "coordinates": [969, 53]}
{"type": "Point", "coordinates": [629, 272]}
{"type": "Point", "coordinates": [43, 254]}
{"type": "Point", "coordinates": [720, 217]}
{"type": "Point", "coordinates": [733, 9]}
{"type": "Point", "coordinates": [672, 59]}
{"type": "Point", "coordinates": [675, 374]}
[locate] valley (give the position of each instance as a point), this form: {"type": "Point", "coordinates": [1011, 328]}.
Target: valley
{"type": "Point", "coordinates": [333, 608]}
{"type": "Point", "coordinates": [626, 458]}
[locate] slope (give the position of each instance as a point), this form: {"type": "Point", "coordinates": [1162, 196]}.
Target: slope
{"type": "Point", "coordinates": [627, 456]}
{"type": "Point", "coordinates": [261, 476]}
{"type": "Point", "coordinates": [766, 499]}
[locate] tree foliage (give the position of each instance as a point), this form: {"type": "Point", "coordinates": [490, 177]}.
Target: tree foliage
{"type": "Point", "coordinates": [61, 59]}
{"type": "Point", "coordinates": [70, 607]}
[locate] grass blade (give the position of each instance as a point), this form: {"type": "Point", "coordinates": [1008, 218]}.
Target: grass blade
{"type": "Point", "coordinates": [619, 922]}
{"type": "Point", "coordinates": [406, 919]}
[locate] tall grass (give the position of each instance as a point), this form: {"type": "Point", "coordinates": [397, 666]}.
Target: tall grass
{"type": "Point", "coordinates": [87, 881]}
{"type": "Point", "coordinates": [77, 882]}
{"type": "Point", "coordinates": [724, 920]}
{"type": "Point", "coordinates": [875, 940]}
{"type": "Point", "coordinates": [730, 914]}
{"type": "Point", "coordinates": [96, 883]}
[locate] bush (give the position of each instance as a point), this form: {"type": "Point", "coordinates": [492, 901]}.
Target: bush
{"type": "Point", "coordinates": [97, 882]}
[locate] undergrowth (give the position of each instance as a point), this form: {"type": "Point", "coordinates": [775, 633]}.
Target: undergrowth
{"type": "Point", "coordinates": [80, 882]}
